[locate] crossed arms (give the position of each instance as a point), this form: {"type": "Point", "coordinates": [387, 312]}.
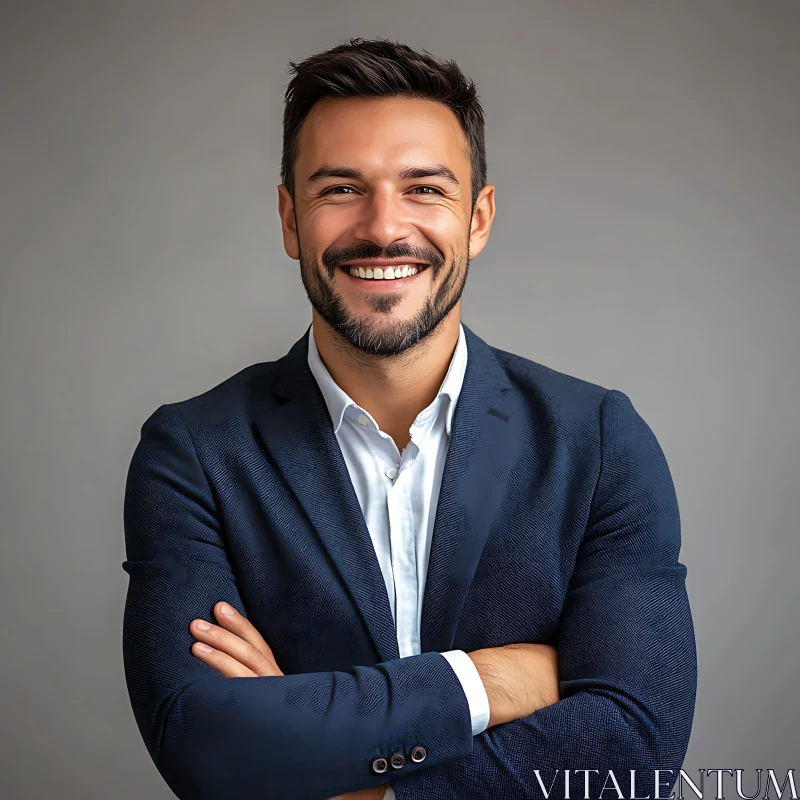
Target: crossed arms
{"type": "Point", "coordinates": [626, 655]}
{"type": "Point", "coordinates": [519, 678]}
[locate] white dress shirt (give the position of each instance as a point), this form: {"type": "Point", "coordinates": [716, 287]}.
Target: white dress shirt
{"type": "Point", "coordinates": [398, 494]}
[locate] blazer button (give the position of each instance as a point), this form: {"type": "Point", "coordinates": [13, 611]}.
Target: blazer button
{"type": "Point", "coordinates": [379, 764]}
{"type": "Point", "coordinates": [418, 754]}
{"type": "Point", "coordinates": [397, 760]}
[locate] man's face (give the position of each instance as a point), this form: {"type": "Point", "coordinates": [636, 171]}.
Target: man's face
{"type": "Point", "coordinates": [364, 193]}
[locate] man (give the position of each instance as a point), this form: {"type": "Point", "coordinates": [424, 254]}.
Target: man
{"type": "Point", "coordinates": [449, 571]}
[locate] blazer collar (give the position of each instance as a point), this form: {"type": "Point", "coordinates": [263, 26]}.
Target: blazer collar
{"type": "Point", "coordinates": [300, 437]}
{"type": "Point", "coordinates": [338, 401]}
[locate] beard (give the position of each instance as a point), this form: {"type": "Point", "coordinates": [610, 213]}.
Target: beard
{"type": "Point", "coordinates": [448, 281]}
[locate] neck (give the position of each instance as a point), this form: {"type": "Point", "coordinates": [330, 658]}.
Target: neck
{"type": "Point", "coordinates": [394, 389]}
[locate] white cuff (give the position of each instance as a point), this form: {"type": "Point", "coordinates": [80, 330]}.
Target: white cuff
{"type": "Point", "coordinates": [471, 682]}
{"type": "Point", "coordinates": [389, 794]}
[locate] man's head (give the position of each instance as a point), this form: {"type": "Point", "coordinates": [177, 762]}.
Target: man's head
{"type": "Point", "coordinates": [383, 161]}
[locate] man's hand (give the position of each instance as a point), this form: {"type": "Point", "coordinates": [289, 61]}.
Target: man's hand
{"type": "Point", "coordinates": [519, 678]}
{"type": "Point", "coordinates": [234, 647]}
{"type": "Point", "coordinates": [238, 650]}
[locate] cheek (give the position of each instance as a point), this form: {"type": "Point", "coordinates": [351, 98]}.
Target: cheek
{"type": "Point", "coordinates": [325, 227]}
{"type": "Point", "coordinates": [439, 227]}
{"type": "Point", "coordinates": [443, 229]}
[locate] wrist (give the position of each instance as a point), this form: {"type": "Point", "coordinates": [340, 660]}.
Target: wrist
{"type": "Point", "coordinates": [495, 668]}
{"type": "Point", "coordinates": [519, 679]}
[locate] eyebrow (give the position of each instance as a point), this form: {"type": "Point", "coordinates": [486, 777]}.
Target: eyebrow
{"type": "Point", "coordinates": [428, 171]}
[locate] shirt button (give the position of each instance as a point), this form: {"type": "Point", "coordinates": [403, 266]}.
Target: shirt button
{"type": "Point", "coordinates": [362, 420]}
{"type": "Point", "coordinates": [391, 473]}
{"type": "Point", "coordinates": [397, 760]}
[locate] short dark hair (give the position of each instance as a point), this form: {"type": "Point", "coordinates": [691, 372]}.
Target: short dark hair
{"type": "Point", "coordinates": [382, 68]}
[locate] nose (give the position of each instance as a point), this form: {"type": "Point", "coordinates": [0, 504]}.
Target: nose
{"type": "Point", "coordinates": [383, 219]}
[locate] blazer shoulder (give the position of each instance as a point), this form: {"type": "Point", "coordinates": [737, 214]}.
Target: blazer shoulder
{"type": "Point", "coordinates": [583, 411]}
{"type": "Point", "coordinates": [550, 388]}
{"type": "Point", "coordinates": [241, 397]}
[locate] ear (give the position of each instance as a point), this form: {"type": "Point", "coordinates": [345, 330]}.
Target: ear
{"type": "Point", "coordinates": [482, 217]}
{"type": "Point", "coordinates": [286, 211]}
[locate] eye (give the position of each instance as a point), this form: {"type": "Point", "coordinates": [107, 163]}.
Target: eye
{"type": "Point", "coordinates": [432, 188]}
{"type": "Point", "coordinates": [333, 188]}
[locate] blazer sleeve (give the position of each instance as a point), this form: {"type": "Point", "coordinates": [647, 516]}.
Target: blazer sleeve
{"type": "Point", "coordinates": [295, 736]}
{"type": "Point", "coordinates": [626, 648]}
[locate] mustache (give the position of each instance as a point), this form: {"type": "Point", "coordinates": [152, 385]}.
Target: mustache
{"type": "Point", "coordinates": [333, 258]}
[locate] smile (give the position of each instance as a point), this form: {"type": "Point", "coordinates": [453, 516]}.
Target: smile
{"type": "Point", "coordinates": [385, 273]}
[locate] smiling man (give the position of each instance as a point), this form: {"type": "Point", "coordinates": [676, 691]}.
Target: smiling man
{"type": "Point", "coordinates": [398, 561]}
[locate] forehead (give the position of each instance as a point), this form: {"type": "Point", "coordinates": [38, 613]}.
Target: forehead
{"type": "Point", "coordinates": [380, 132]}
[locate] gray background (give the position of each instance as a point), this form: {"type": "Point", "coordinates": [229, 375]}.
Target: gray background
{"type": "Point", "coordinates": [647, 235]}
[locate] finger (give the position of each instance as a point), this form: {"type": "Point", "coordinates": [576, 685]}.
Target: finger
{"type": "Point", "coordinates": [230, 644]}
{"type": "Point", "coordinates": [222, 662]}
{"type": "Point", "coordinates": [241, 626]}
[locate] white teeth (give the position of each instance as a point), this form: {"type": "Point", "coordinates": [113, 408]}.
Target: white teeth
{"type": "Point", "coordinates": [389, 273]}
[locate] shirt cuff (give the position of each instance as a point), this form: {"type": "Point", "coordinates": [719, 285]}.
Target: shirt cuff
{"type": "Point", "coordinates": [473, 687]}
{"type": "Point", "coordinates": [389, 794]}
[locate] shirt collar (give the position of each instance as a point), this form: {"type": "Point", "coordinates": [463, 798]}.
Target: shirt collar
{"type": "Point", "coordinates": [338, 401]}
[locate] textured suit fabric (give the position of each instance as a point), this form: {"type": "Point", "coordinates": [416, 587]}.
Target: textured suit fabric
{"type": "Point", "coordinates": [557, 522]}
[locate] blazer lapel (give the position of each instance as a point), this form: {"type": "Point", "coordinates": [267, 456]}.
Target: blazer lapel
{"type": "Point", "coordinates": [484, 443]}
{"type": "Point", "coordinates": [300, 437]}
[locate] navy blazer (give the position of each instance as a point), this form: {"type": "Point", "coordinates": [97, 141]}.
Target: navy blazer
{"type": "Point", "coordinates": [557, 523]}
